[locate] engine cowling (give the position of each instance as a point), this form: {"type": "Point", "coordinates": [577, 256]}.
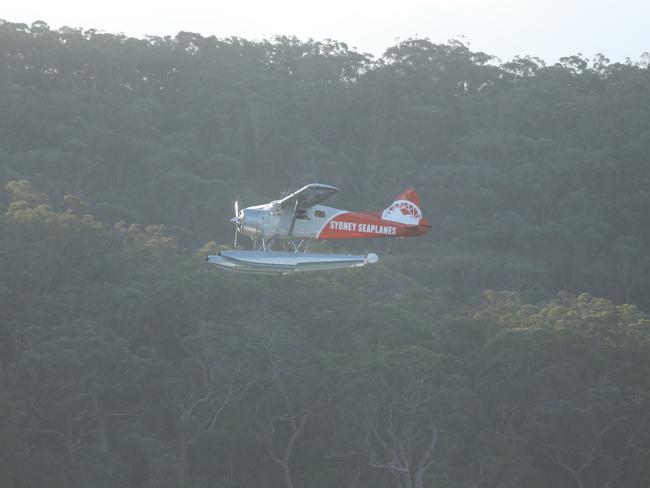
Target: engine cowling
{"type": "Point", "coordinates": [252, 221]}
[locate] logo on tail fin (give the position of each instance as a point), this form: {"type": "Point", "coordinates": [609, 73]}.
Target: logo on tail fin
{"type": "Point", "coordinates": [404, 209]}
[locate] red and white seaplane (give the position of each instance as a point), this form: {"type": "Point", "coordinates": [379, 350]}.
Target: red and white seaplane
{"type": "Point", "coordinates": [295, 220]}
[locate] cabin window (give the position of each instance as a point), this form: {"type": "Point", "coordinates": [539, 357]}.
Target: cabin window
{"type": "Point", "coordinates": [319, 213]}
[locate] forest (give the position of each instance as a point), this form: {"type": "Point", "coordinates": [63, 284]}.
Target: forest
{"type": "Point", "coordinates": [509, 347]}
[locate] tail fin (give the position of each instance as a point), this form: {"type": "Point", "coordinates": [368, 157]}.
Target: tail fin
{"type": "Point", "coordinates": [405, 209]}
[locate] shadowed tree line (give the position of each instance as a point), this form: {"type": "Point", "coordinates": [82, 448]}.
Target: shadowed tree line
{"type": "Point", "coordinates": [477, 356]}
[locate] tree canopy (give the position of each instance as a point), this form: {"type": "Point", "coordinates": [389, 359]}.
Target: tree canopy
{"type": "Point", "coordinates": [508, 347]}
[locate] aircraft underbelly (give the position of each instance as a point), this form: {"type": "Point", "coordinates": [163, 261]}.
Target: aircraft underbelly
{"type": "Point", "coordinates": [304, 229]}
{"type": "Point", "coordinates": [307, 228]}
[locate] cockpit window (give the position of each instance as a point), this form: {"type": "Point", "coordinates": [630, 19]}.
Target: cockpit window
{"type": "Point", "coordinates": [319, 213]}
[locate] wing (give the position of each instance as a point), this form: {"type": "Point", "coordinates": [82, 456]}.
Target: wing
{"type": "Point", "coordinates": [308, 196]}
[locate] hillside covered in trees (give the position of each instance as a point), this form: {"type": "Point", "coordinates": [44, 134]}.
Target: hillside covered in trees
{"type": "Point", "coordinates": [509, 347]}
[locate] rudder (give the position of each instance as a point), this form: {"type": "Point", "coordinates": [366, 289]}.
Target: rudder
{"type": "Point", "coordinates": [405, 209]}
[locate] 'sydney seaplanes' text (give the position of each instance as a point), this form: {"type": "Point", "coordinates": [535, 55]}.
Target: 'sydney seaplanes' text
{"type": "Point", "coordinates": [387, 230]}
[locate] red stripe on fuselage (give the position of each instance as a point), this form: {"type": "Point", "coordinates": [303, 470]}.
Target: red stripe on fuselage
{"type": "Point", "coordinates": [352, 225]}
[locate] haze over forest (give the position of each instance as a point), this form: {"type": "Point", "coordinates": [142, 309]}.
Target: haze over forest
{"type": "Point", "coordinates": [508, 347]}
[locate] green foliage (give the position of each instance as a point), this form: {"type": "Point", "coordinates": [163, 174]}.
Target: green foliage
{"type": "Point", "coordinates": [125, 361]}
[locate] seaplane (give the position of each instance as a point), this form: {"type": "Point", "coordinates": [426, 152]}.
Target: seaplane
{"type": "Point", "coordinates": [282, 230]}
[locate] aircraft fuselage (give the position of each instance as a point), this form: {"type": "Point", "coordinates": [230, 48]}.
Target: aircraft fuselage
{"type": "Point", "coordinates": [322, 222]}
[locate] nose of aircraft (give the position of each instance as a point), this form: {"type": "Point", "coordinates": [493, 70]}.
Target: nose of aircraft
{"type": "Point", "coordinates": [239, 218]}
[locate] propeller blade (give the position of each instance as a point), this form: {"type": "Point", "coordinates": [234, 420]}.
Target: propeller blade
{"type": "Point", "coordinates": [236, 221]}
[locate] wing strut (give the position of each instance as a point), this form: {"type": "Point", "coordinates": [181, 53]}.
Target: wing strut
{"type": "Point", "coordinates": [293, 218]}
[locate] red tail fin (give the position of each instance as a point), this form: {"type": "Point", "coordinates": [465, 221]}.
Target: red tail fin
{"type": "Point", "coordinates": [405, 209]}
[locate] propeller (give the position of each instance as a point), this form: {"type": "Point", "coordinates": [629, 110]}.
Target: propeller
{"type": "Point", "coordinates": [237, 221]}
